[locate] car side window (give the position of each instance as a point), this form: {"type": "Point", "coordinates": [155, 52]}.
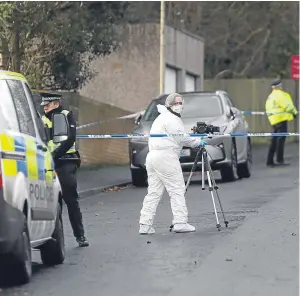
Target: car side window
{"type": "Point", "coordinates": [36, 114]}
{"type": "Point", "coordinates": [22, 107]}
{"type": "Point", "coordinates": [7, 107]}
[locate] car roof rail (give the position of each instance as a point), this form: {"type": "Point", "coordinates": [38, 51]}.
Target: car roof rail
{"type": "Point", "coordinates": [221, 91]}
{"type": "Point", "coordinates": [161, 96]}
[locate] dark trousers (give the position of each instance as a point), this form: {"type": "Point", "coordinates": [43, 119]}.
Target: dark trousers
{"type": "Point", "coordinates": [67, 174]}
{"type": "Point", "coordinates": [277, 143]}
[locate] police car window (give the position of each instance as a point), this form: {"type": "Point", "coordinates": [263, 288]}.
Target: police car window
{"type": "Point", "coordinates": [7, 108]}
{"type": "Point", "coordinates": [36, 115]}
{"type": "Point", "coordinates": [22, 107]}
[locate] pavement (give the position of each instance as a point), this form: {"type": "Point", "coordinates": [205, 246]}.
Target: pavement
{"type": "Point", "coordinates": [256, 255]}
{"type": "Point", "coordinates": [94, 181]}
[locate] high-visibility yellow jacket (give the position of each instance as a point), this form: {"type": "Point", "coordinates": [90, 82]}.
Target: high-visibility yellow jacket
{"type": "Point", "coordinates": [51, 144]}
{"type": "Point", "coordinates": [280, 107]}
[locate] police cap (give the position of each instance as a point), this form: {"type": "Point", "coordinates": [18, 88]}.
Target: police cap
{"type": "Point", "coordinates": [276, 83]}
{"type": "Point", "coordinates": [48, 97]}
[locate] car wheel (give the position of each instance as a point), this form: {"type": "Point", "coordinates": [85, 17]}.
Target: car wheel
{"type": "Point", "coordinates": [139, 177]}
{"type": "Point", "coordinates": [229, 172]}
{"type": "Point", "coordinates": [53, 251]}
{"type": "Point", "coordinates": [245, 168]}
{"type": "Point", "coordinates": [16, 268]}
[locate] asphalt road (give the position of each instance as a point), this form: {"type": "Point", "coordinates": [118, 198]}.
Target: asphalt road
{"type": "Point", "coordinates": [263, 225]}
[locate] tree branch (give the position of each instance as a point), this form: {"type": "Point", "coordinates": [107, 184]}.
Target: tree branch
{"type": "Point", "coordinates": [259, 48]}
{"type": "Point", "coordinates": [253, 33]}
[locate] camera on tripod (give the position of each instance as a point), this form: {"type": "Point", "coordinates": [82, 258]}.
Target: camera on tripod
{"type": "Point", "coordinates": [203, 128]}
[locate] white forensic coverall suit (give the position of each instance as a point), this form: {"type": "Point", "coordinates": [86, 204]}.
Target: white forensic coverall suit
{"type": "Point", "coordinates": [164, 171]}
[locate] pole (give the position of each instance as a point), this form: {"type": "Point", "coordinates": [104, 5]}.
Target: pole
{"type": "Point", "coordinates": [161, 51]}
{"type": "Point", "coordinates": [1, 61]}
{"type": "Point", "coordinates": [296, 121]}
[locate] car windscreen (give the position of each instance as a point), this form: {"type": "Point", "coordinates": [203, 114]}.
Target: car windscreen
{"type": "Point", "coordinates": [196, 105]}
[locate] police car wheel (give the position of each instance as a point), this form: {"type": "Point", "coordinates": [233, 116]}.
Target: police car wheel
{"type": "Point", "coordinates": [17, 267]}
{"type": "Point", "coordinates": [53, 252]}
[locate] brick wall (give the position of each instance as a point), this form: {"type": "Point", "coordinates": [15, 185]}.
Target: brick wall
{"type": "Point", "coordinates": [129, 77]}
{"type": "Point", "coordinates": [100, 151]}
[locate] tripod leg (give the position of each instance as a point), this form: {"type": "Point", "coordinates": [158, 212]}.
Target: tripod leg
{"type": "Point", "coordinates": [217, 193]}
{"type": "Point", "coordinates": [188, 181]}
{"type": "Point", "coordinates": [202, 171]}
{"type": "Point", "coordinates": [213, 199]}
{"type": "Point", "coordinates": [193, 170]}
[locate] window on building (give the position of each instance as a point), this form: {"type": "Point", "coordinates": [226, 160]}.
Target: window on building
{"type": "Point", "coordinates": [190, 82]}
{"type": "Point", "coordinates": [170, 80]}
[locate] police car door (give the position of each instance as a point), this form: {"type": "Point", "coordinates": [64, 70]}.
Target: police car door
{"type": "Point", "coordinates": [41, 212]}
{"type": "Point", "coordinates": [46, 163]}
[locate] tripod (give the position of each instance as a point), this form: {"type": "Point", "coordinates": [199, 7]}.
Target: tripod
{"type": "Point", "coordinates": [211, 181]}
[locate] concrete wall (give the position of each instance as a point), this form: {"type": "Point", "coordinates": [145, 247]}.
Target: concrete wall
{"type": "Point", "coordinates": [129, 77]}
{"type": "Point", "coordinates": [185, 52]}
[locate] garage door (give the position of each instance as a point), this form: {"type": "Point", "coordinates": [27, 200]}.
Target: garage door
{"type": "Point", "coordinates": [170, 80]}
{"type": "Point", "coordinates": [190, 82]}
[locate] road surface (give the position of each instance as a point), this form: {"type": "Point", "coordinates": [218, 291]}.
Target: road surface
{"type": "Point", "coordinates": [256, 255]}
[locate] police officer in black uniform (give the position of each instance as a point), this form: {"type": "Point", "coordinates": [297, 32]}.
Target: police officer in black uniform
{"type": "Point", "coordinates": [67, 161]}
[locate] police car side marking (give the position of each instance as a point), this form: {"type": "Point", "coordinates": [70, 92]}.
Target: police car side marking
{"type": "Point", "coordinates": [20, 147]}
{"type": "Point", "coordinates": [39, 193]}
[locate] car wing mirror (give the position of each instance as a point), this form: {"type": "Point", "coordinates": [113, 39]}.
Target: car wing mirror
{"type": "Point", "coordinates": [60, 127]}
{"type": "Point", "coordinates": [138, 118]}
{"type": "Point", "coordinates": [228, 112]}
{"type": "Point", "coordinates": [234, 111]}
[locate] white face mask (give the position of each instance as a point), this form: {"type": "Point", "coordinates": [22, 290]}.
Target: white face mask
{"type": "Point", "coordinates": [177, 108]}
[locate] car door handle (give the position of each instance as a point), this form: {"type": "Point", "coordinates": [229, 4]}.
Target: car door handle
{"type": "Point", "coordinates": [41, 147]}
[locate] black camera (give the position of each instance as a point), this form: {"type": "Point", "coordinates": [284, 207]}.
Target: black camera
{"type": "Point", "coordinates": [203, 128]}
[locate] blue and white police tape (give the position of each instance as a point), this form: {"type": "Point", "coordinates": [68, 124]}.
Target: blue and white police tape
{"type": "Point", "coordinates": [108, 120]}
{"type": "Point", "coordinates": [253, 113]}
{"type": "Point", "coordinates": [135, 136]}
{"type": "Point", "coordinates": [262, 113]}
{"type": "Point", "coordinates": [134, 115]}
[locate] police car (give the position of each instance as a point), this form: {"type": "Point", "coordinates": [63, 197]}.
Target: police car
{"type": "Point", "coordinates": [30, 192]}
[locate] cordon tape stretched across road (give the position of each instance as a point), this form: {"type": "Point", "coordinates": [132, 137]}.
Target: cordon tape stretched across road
{"type": "Point", "coordinates": [130, 136]}
{"type": "Point", "coordinates": [134, 115]}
